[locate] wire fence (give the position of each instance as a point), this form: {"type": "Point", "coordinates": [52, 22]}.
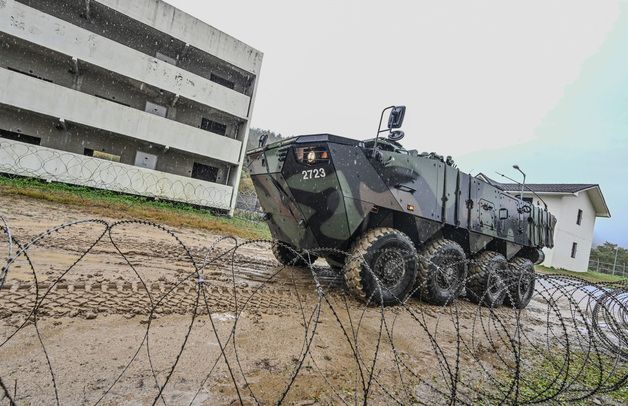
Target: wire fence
{"type": "Point", "coordinates": [611, 268]}
{"type": "Point", "coordinates": [248, 203]}
{"type": "Point", "coordinates": [231, 325]}
{"type": "Point", "coordinates": [17, 158]}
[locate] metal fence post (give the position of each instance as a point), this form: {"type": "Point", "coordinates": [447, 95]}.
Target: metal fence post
{"type": "Point", "coordinates": [615, 263]}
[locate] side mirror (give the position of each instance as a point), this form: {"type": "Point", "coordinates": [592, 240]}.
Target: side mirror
{"type": "Point", "coordinates": [395, 120]}
{"type": "Point", "coordinates": [396, 135]}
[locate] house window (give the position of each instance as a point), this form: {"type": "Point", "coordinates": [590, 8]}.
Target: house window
{"type": "Point", "coordinates": [101, 155]}
{"type": "Point", "coordinates": [574, 249]}
{"type": "Point", "coordinates": [204, 172]}
{"type": "Point", "coordinates": [579, 219]}
{"type": "Point", "coordinates": [528, 200]}
{"type": "Point", "coordinates": [221, 81]}
{"type": "Point", "coordinates": [10, 135]}
{"type": "Point", "coordinates": [213, 126]}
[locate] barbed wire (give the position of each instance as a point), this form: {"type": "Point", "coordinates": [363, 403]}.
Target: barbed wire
{"type": "Point", "coordinates": [17, 158]}
{"type": "Point", "coordinates": [570, 343]}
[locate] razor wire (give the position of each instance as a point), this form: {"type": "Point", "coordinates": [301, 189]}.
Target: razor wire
{"type": "Point", "coordinates": [53, 165]}
{"type": "Point", "coordinates": [570, 344]}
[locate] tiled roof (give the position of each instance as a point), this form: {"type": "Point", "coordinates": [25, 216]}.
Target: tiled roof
{"type": "Point", "coordinates": [548, 188]}
{"type": "Point", "coordinates": [540, 187]}
{"type": "Point", "coordinates": [593, 190]}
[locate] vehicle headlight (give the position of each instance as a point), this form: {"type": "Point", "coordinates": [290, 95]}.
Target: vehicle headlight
{"type": "Point", "coordinates": [312, 155]}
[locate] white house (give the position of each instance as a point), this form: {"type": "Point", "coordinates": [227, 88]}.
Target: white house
{"type": "Point", "coordinates": [576, 206]}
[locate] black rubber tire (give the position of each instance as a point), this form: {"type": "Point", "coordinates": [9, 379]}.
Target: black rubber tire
{"type": "Point", "coordinates": [336, 261]}
{"type": "Point", "coordinates": [287, 255]}
{"type": "Point", "coordinates": [364, 257]}
{"type": "Point", "coordinates": [485, 284]}
{"type": "Point", "coordinates": [438, 260]}
{"type": "Point", "coordinates": [520, 283]}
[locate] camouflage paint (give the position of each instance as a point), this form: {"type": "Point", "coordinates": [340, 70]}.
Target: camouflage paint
{"type": "Point", "coordinates": [330, 211]}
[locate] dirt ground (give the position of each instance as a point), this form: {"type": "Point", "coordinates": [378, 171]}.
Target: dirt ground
{"type": "Point", "coordinates": [118, 320]}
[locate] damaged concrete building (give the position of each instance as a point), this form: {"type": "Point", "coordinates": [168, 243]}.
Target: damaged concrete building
{"type": "Point", "coordinates": [133, 96]}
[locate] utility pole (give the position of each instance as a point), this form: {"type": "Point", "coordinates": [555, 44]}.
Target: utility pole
{"type": "Point", "coordinates": [524, 180]}
{"type": "Point", "coordinates": [615, 263]}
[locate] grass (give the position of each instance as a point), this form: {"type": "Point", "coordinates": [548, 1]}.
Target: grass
{"type": "Point", "coordinates": [595, 277]}
{"type": "Point", "coordinates": [545, 374]}
{"type": "Point", "coordinates": [117, 205]}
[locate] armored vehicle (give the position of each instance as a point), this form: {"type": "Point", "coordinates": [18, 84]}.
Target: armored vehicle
{"type": "Point", "coordinates": [411, 223]}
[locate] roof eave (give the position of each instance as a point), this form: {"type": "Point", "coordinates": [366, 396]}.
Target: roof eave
{"type": "Point", "coordinates": [595, 196]}
{"type": "Point", "coordinates": [599, 203]}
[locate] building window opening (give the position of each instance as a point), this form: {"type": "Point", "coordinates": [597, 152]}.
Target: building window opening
{"type": "Point", "coordinates": [579, 219]}
{"type": "Point", "coordinates": [528, 200]}
{"type": "Point", "coordinates": [101, 155]}
{"type": "Point", "coordinates": [204, 172]}
{"type": "Point", "coordinates": [213, 126]}
{"type": "Point", "coordinates": [221, 81]}
{"type": "Point", "coordinates": [10, 135]}
{"type": "Point", "coordinates": [574, 249]}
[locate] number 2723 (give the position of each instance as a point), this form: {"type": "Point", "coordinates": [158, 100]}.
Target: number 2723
{"type": "Point", "coordinates": [314, 174]}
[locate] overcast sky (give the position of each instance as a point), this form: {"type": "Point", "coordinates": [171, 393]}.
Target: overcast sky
{"type": "Point", "coordinates": [540, 83]}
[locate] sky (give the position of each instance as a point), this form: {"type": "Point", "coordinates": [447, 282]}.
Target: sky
{"type": "Point", "coordinates": [543, 84]}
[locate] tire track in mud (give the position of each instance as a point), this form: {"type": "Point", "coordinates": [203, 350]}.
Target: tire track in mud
{"type": "Point", "coordinates": [88, 300]}
{"type": "Point", "coordinates": [131, 299]}
{"type": "Point", "coordinates": [262, 285]}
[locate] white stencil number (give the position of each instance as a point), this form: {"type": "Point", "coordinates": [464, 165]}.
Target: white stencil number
{"type": "Point", "coordinates": [314, 174]}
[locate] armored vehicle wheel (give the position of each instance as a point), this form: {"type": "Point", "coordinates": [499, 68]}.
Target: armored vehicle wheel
{"type": "Point", "coordinates": [335, 261]}
{"type": "Point", "coordinates": [485, 285]}
{"type": "Point", "coordinates": [287, 255]}
{"type": "Point", "coordinates": [381, 267]}
{"type": "Point", "coordinates": [441, 272]}
{"type": "Point", "coordinates": [520, 283]}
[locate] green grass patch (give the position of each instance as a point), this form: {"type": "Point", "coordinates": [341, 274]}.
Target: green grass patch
{"type": "Point", "coordinates": [595, 277]}
{"type": "Point", "coordinates": [551, 376]}
{"type": "Point", "coordinates": [120, 205]}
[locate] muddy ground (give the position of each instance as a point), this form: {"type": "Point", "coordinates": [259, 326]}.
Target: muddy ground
{"type": "Point", "coordinates": [125, 319]}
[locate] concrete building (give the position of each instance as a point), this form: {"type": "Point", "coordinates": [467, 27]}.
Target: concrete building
{"type": "Point", "coordinates": [576, 207]}
{"type": "Point", "coordinates": [129, 95]}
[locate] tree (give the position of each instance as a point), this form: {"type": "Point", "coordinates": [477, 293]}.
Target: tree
{"type": "Point", "coordinates": [254, 135]}
{"type": "Point", "coordinates": [605, 253]}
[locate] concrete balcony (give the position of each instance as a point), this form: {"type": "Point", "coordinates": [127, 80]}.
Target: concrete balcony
{"type": "Point", "coordinates": [188, 29]}
{"type": "Point", "coordinates": [52, 100]}
{"type": "Point", "coordinates": [50, 32]}
{"type": "Point", "coordinates": [21, 159]}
